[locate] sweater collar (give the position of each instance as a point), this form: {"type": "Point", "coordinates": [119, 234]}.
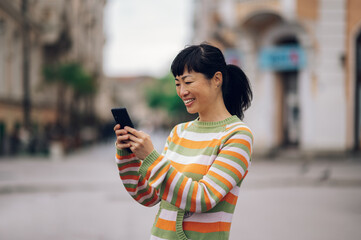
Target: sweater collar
{"type": "Point", "coordinates": [226, 121]}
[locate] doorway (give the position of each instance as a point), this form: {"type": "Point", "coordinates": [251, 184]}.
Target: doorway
{"type": "Point", "coordinates": [290, 109]}
{"type": "Point", "coordinates": [290, 102]}
{"type": "Point", "coordinates": [357, 136]}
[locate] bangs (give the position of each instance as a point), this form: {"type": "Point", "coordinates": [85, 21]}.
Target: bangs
{"type": "Point", "coordinates": [188, 59]}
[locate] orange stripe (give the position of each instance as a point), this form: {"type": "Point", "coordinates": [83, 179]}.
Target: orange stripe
{"type": "Point", "coordinates": [236, 155]}
{"type": "Point", "coordinates": [230, 198]}
{"type": "Point", "coordinates": [132, 155]}
{"type": "Point", "coordinates": [134, 177]}
{"type": "Point", "coordinates": [233, 169]}
{"type": "Point", "coordinates": [154, 199]}
{"type": "Point", "coordinates": [165, 224]}
{"type": "Point", "coordinates": [195, 167]}
{"type": "Point", "coordinates": [212, 189]}
{"type": "Point", "coordinates": [160, 174]}
{"type": "Point", "coordinates": [222, 179]}
{"type": "Point", "coordinates": [241, 141]}
{"type": "Point", "coordinates": [153, 165]}
{"type": "Point", "coordinates": [136, 164]}
{"type": "Point", "coordinates": [207, 200]}
{"type": "Point", "coordinates": [239, 129]}
{"type": "Point", "coordinates": [180, 192]}
{"type": "Point", "coordinates": [195, 144]}
{"type": "Point", "coordinates": [194, 197]}
{"type": "Point", "coordinates": [169, 182]}
{"type": "Point", "coordinates": [207, 227]}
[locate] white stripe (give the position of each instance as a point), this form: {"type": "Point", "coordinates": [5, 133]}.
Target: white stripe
{"type": "Point", "coordinates": [238, 150]}
{"type": "Point", "coordinates": [125, 160]}
{"type": "Point", "coordinates": [152, 237]}
{"type": "Point", "coordinates": [235, 190]}
{"type": "Point", "coordinates": [168, 215]}
{"type": "Point", "coordinates": [232, 163]}
{"type": "Point", "coordinates": [215, 185]}
{"type": "Point", "coordinates": [139, 188]}
{"type": "Point", "coordinates": [130, 181]}
{"type": "Point", "coordinates": [202, 136]}
{"type": "Point", "coordinates": [146, 196]}
{"type": "Point", "coordinates": [171, 187]}
{"type": "Point", "coordinates": [244, 137]}
{"type": "Point", "coordinates": [210, 217]}
{"type": "Point", "coordinates": [131, 169]}
{"type": "Point", "coordinates": [199, 159]}
{"type": "Point", "coordinates": [213, 202]}
{"type": "Point", "coordinates": [199, 199]}
{"type": "Point", "coordinates": [232, 126]}
{"type": "Point", "coordinates": [185, 193]}
{"type": "Point", "coordinates": [158, 166]}
{"type": "Point", "coordinates": [159, 181]}
{"type": "Point", "coordinates": [225, 175]}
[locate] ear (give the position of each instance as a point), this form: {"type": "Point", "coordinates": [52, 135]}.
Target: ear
{"type": "Point", "coordinates": [218, 79]}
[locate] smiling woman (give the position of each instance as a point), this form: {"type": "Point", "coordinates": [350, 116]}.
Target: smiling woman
{"type": "Point", "coordinates": [198, 175]}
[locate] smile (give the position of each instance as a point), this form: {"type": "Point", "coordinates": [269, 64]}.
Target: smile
{"type": "Point", "coordinates": [188, 101]}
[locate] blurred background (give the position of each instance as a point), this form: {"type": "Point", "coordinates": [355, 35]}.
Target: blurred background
{"type": "Point", "coordinates": [65, 63]}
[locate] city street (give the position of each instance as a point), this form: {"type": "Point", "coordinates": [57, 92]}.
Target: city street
{"type": "Point", "coordinates": [80, 197]}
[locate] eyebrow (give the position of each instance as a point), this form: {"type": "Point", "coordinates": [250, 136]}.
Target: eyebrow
{"type": "Point", "coordinates": [184, 77]}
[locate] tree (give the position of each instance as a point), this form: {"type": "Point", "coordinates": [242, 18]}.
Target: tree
{"type": "Point", "coordinates": [70, 77]}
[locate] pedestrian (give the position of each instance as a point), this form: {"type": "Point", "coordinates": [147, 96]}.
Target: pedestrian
{"type": "Point", "coordinates": [197, 177]}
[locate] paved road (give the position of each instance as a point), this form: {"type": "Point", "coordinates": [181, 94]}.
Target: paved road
{"type": "Point", "coordinates": [81, 197]}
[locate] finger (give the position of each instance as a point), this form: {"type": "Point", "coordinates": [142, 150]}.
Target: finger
{"type": "Point", "coordinates": [134, 139]}
{"type": "Point", "coordinates": [121, 132]}
{"type": "Point", "coordinates": [132, 131]}
{"type": "Point", "coordinates": [116, 127]}
{"type": "Point", "coordinates": [123, 145]}
{"type": "Point", "coordinates": [122, 138]}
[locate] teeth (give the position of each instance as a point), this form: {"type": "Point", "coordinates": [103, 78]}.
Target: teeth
{"type": "Point", "coordinates": [189, 100]}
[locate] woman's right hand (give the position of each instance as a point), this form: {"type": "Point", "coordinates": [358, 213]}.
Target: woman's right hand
{"type": "Point", "coordinates": [122, 135]}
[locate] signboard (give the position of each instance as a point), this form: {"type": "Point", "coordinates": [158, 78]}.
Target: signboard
{"type": "Point", "coordinates": [233, 56]}
{"type": "Point", "coordinates": [282, 58]}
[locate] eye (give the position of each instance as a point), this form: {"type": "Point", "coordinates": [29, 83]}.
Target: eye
{"type": "Point", "coordinates": [177, 84]}
{"type": "Point", "coordinates": [188, 83]}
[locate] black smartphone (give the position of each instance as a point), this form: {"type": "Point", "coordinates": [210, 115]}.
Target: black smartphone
{"type": "Point", "coordinates": [121, 117]}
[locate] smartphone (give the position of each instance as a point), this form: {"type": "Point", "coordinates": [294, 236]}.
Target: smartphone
{"type": "Point", "coordinates": [121, 117]}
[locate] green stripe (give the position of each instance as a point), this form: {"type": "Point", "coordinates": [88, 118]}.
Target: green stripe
{"type": "Point", "coordinates": [176, 189]}
{"type": "Point", "coordinates": [226, 170]}
{"type": "Point", "coordinates": [207, 236]}
{"type": "Point", "coordinates": [208, 151]}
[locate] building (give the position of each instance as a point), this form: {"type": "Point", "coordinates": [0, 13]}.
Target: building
{"type": "Point", "coordinates": [303, 58]}
{"type": "Point", "coordinates": [44, 32]}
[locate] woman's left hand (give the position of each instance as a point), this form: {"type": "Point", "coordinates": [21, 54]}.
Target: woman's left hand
{"type": "Point", "coordinates": [140, 143]}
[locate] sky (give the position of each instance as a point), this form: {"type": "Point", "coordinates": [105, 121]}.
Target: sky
{"type": "Point", "coordinates": [143, 36]}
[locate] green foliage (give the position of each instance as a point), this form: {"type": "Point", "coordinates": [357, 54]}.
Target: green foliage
{"type": "Point", "coordinates": [163, 95]}
{"type": "Point", "coordinates": [71, 75]}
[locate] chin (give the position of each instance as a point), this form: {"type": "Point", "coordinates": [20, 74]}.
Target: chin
{"type": "Point", "coordinates": [190, 111]}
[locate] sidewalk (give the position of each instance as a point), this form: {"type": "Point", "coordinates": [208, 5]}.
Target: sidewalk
{"type": "Point", "coordinates": [81, 197]}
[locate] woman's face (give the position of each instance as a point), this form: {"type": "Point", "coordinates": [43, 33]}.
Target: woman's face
{"type": "Point", "coordinates": [197, 92]}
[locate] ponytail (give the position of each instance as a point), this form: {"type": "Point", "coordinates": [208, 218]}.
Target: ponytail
{"type": "Point", "coordinates": [237, 93]}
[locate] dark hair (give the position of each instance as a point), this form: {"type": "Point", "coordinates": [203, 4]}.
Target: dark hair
{"type": "Point", "coordinates": [208, 60]}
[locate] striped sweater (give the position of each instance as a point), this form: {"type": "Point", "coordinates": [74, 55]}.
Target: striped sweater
{"type": "Point", "coordinates": [196, 179]}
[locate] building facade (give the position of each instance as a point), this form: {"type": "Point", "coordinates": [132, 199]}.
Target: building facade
{"type": "Point", "coordinates": [303, 58]}
{"type": "Point", "coordinates": [57, 31]}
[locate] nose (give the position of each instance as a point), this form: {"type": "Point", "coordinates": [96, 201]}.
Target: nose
{"type": "Point", "coordinates": [183, 91]}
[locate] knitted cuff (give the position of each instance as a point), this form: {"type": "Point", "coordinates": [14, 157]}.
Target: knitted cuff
{"type": "Point", "coordinates": [147, 162]}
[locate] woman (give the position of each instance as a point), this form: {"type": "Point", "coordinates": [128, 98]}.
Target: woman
{"type": "Point", "coordinates": [197, 177]}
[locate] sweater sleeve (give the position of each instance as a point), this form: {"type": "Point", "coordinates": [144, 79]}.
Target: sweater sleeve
{"type": "Point", "coordinates": [228, 170]}
{"type": "Point", "coordinates": [136, 185]}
